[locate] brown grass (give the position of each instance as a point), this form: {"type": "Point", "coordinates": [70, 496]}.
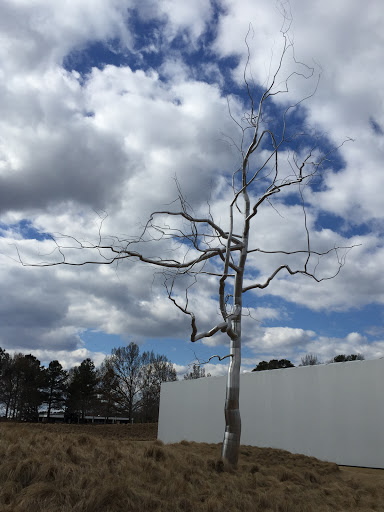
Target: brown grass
{"type": "Point", "coordinates": [106, 469]}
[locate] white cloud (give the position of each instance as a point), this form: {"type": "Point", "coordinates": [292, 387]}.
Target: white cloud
{"type": "Point", "coordinates": [355, 337]}
{"type": "Point", "coordinates": [67, 358]}
{"type": "Point", "coordinates": [188, 18]}
{"type": "Point", "coordinates": [347, 43]}
{"type": "Point", "coordinates": [293, 344]}
{"type": "Point", "coordinates": [280, 338]}
{"type": "Point", "coordinates": [354, 343]}
{"type": "Point", "coordinates": [39, 33]}
{"type": "Point", "coordinates": [115, 139]}
{"type": "Point", "coordinates": [359, 283]}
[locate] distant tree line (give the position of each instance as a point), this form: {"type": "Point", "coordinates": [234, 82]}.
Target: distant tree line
{"type": "Point", "coordinates": [342, 358]}
{"type": "Point", "coordinates": [127, 384]}
{"type": "Point", "coordinates": [307, 360]}
{"type": "Point", "coordinates": [312, 359]}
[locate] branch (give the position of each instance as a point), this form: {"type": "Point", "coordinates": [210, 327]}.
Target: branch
{"type": "Point", "coordinates": [219, 358]}
{"type": "Point", "coordinates": [305, 251]}
{"type": "Point", "coordinates": [188, 217]}
{"type": "Point", "coordinates": [125, 254]}
{"type": "Point", "coordinates": [223, 327]}
{"type": "Point", "coordinates": [341, 263]}
{"type": "Point", "coordinates": [195, 336]}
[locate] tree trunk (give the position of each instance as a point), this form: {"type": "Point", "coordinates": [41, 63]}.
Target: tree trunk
{"type": "Point", "coordinates": [130, 407]}
{"type": "Point", "coordinates": [231, 443]}
{"type": "Point", "coordinates": [7, 407]}
{"type": "Point", "coordinates": [49, 405]}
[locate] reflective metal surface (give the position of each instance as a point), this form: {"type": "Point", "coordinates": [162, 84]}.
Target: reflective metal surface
{"type": "Point", "coordinates": [231, 443]}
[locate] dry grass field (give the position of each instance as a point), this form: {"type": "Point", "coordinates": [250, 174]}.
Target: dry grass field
{"type": "Point", "coordinates": [122, 468]}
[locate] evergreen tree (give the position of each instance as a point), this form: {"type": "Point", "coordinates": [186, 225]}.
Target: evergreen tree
{"type": "Point", "coordinates": [56, 382]}
{"type": "Point", "coordinates": [82, 390]}
{"type": "Point", "coordinates": [22, 380]}
{"type": "Point", "coordinates": [6, 380]}
{"type": "Point", "coordinates": [274, 364]}
{"type": "Point", "coordinates": [342, 358]}
{"type": "Point", "coordinates": [108, 404]}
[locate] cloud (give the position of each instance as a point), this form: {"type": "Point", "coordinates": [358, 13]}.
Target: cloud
{"type": "Point", "coordinates": [340, 108]}
{"type": "Point", "coordinates": [354, 343]}
{"type": "Point", "coordinates": [293, 344]}
{"type": "Point", "coordinates": [284, 338]}
{"type": "Point", "coordinates": [67, 358]}
{"type": "Point", "coordinates": [359, 282]}
{"type": "Point", "coordinates": [188, 19]}
{"type": "Point", "coordinates": [113, 139]}
{"type": "Point", "coordinates": [39, 34]}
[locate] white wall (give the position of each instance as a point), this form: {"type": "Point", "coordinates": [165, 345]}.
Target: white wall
{"type": "Point", "coordinates": [334, 412]}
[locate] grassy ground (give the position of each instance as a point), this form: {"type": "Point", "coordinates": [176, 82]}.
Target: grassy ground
{"type": "Point", "coordinates": [115, 468]}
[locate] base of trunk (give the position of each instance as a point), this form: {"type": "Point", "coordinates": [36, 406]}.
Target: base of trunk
{"type": "Point", "coordinates": [231, 442]}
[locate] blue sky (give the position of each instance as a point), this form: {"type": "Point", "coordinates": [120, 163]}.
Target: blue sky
{"type": "Point", "coordinates": [104, 103]}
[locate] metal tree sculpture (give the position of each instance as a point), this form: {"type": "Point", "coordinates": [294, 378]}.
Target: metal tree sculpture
{"type": "Point", "coordinates": [212, 250]}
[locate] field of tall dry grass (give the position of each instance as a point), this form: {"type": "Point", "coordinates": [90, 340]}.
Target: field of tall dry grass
{"type": "Point", "coordinates": [122, 468]}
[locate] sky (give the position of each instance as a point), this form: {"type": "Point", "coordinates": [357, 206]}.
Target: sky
{"type": "Point", "coordinates": [104, 102]}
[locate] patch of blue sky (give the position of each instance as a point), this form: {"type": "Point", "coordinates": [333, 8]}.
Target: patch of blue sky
{"type": "Point", "coordinates": [339, 324]}
{"type": "Point", "coordinates": [326, 220]}
{"type": "Point", "coordinates": [150, 52]}
{"type": "Point", "coordinates": [295, 142]}
{"type": "Point", "coordinates": [182, 351]}
{"type": "Point", "coordinates": [179, 351]}
{"type": "Point", "coordinates": [151, 48]}
{"type": "Point", "coordinates": [146, 55]}
{"type": "Point", "coordinates": [99, 341]}
{"type": "Point", "coordinates": [97, 54]}
{"type": "Point", "coordinates": [375, 126]}
{"type": "Point", "coordinates": [366, 320]}
{"type": "Point", "coordinates": [25, 229]}
{"type": "Point", "coordinates": [324, 323]}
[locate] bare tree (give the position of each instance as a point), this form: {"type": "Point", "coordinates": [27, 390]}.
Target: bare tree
{"type": "Point", "coordinates": [134, 379]}
{"type": "Point", "coordinates": [155, 370]}
{"type": "Point", "coordinates": [196, 373]}
{"type": "Point", "coordinates": [127, 363]}
{"type": "Point", "coordinates": [310, 360]}
{"type": "Point", "coordinates": [208, 247]}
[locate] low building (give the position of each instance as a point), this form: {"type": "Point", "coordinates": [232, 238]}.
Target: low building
{"type": "Point", "coordinates": [60, 417]}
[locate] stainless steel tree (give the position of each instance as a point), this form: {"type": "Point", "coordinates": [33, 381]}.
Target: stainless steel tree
{"type": "Point", "coordinates": [274, 156]}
